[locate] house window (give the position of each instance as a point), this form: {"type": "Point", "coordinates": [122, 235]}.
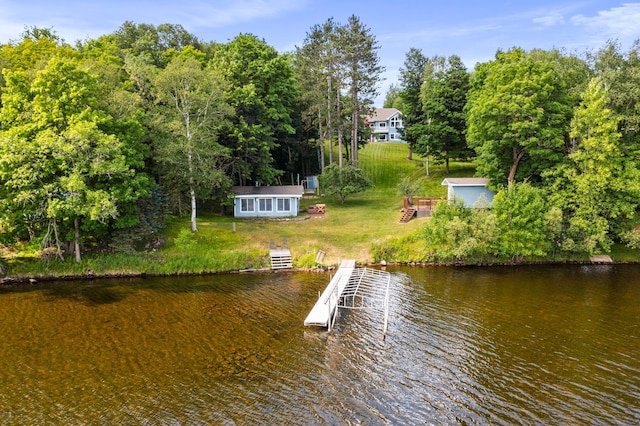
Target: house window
{"type": "Point", "coordinates": [395, 122]}
{"type": "Point", "coordinates": [382, 124]}
{"type": "Point", "coordinates": [383, 137]}
{"type": "Point", "coordinates": [283, 204]}
{"type": "Point", "coordinates": [392, 136]}
{"type": "Point", "coordinates": [265, 204]}
{"type": "Point", "coordinates": [246, 205]}
{"type": "Point", "coordinates": [372, 125]}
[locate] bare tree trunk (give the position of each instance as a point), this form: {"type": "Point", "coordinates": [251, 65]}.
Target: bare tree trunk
{"type": "Point", "coordinates": [76, 240]}
{"type": "Point", "coordinates": [329, 124]}
{"type": "Point", "coordinates": [354, 123]}
{"type": "Point", "coordinates": [517, 156]}
{"type": "Point", "coordinates": [321, 143]}
{"type": "Point", "coordinates": [192, 194]}
{"type": "Point", "coordinates": [194, 226]}
{"type": "Point", "coordinates": [339, 111]}
{"type": "Point", "coordinates": [55, 234]}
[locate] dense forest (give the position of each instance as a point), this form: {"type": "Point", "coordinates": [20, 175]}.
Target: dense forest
{"type": "Point", "coordinates": [101, 140]}
{"type": "Point", "coordinates": [558, 135]}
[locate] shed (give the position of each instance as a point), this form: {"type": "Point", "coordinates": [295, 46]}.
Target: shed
{"type": "Point", "coordinates": [267, 201]}
{"type": "Point", "coordinates": [469, 190]}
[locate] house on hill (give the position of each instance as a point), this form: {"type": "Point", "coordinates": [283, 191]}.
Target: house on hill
{"type": "Point", "coordinates": [266, 201]}
{"type": "Point", "coordinates": [386, 125]}
{"type": "Point", "coordinates": [469, 190]}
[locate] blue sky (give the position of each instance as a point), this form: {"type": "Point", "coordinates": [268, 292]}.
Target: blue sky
{"type": "Point", "coordinates": [473, 30]}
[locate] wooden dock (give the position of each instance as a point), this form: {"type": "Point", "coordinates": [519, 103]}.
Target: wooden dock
{"type": "Point", "coordinates": [352, 288]}
{"type": "Point", "coordinates": [323, 312]}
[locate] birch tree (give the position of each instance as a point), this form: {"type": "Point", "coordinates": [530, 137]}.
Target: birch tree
{"type": "Point", "coordinates": [192, 107]}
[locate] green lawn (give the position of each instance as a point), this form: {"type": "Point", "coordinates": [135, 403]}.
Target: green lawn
{"type": "Point", "coordinates": [346, 232]}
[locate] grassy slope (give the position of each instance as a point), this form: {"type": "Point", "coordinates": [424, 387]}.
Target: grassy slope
{"type": "Point", "coordinates": [346, 232]}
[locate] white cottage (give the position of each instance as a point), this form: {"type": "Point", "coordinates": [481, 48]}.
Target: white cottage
{"type": "Point", "coordinates": [469, 190]}
{"type": "Point", "coordinates": [267, 201]}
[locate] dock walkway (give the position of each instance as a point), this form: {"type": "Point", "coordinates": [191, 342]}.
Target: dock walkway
{"type": "Point", "coordinates": [352, 288]}
{"type": "Point", "coordinates": [323, 311]}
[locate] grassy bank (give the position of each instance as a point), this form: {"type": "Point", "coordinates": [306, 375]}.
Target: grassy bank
{"type": "Point", "coordinates": [346, 232]}
{"type": "Point", "coordinates": [353, 230]}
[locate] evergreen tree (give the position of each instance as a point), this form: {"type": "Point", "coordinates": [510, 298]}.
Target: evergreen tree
{"type": "Point", "coordinates": [359, 56]}
{"type": "Point", "coordinates": [411, 79]}
{"type": "Point", "coordinates": [444, 97]}
{"type": "Point", "coordinates": [600, 187]}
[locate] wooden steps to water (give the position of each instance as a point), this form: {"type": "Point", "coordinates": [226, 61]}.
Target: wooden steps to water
{"type": "Point", "coordinates": [408, 214]}
{"type": "Point", "coordinates": [281, 259]}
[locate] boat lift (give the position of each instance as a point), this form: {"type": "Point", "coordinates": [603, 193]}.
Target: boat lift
{"type": "Point", "coordinates": [352, 288]}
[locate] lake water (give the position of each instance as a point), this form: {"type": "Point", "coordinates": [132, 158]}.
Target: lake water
{"type": "Point", "coordinates": [517, 345]}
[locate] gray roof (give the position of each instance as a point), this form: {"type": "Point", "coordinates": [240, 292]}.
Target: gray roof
{"type": "Point", "coordinates": [465, 182]}
{"type": "Point", "coordinates": [292, 190]}
{"type": "Point", "coordinates": [382, 114]}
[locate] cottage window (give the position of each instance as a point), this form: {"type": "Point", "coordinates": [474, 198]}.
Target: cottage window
{"type": "Point", "coordinates": [382, 124]}
{"type": "Point", "coordinates": [383, 137]}
{"type": "Point", "coordinates": [395, 122]}
{"type": "Point", "coordinates": [265, 204]}
{"type": "Point", "coordinates": [246, 205]}
{"type": "Point", "coordinates": [392, 136]}
{"type": "Point", "coordinates": [283, 204]}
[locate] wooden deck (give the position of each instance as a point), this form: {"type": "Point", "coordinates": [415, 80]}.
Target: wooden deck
{"type": "Point", "coordinates": [425, 204]}
{"type": "Point", "coordinates": [419, 206]}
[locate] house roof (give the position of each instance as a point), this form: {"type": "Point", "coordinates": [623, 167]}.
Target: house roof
{"type": "Point", "coordinates": [382, 114]}
{"type": "Point", "coordinates": [292, 190]}
{"type": "Point", "coordinates": [465, 182]}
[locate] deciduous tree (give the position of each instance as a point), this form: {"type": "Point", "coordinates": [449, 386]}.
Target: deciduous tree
{"type": "Point", "coordinates": [262, 92]}
{"type": "Point", "coordinates": [344, 181]}
{"type": "Point", "coordinates": [518, 114]}
{"type": "Point", "coordinates": [58, 161]}
{"type": "Point", "coordinates": [194, 112]}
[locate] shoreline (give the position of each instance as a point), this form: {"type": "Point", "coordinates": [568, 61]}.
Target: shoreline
{"type": "Point", "coordinates": [13, 281]}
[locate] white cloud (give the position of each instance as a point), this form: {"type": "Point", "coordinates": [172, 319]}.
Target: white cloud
{"type": "Point", "coordinates": [78, 19]}
{"type": "Point", "coordinates": [618, 22]}
{"type": "Point", "coordinates": [550, 20]}
{"type": "Point", "coordinates": [239, 11]}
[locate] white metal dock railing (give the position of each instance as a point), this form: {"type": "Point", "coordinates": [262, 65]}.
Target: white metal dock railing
{"type": "Point", "coordinates": [352, 288]}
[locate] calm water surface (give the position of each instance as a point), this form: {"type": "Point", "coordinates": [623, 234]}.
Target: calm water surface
{"type": "Point", "coordinates": [525, 345]}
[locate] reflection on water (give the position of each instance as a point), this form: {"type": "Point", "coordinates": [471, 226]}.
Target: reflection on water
{"type": "Point", "coordinates": [532, 345]}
